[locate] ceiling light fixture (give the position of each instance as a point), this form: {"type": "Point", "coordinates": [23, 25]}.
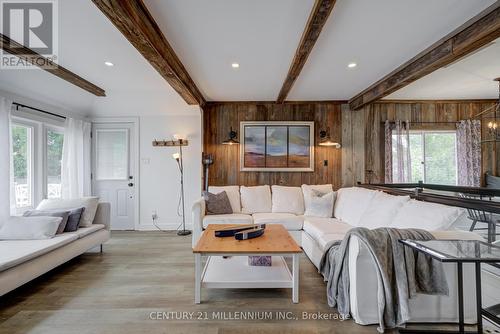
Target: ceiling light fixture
{"type": "Point", "coordinates": [108, 63]}
{"type": "Point", "coordinates": [352, 65]}
{"type": "Point", "coordinates": [235, 65]}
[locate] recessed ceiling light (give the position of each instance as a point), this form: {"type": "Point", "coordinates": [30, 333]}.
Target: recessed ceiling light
{"type": "Point", "coordinates": [108, 63]}
{"type": "Point", "coordinates": [352, 65]}
{"type": "Point", "coordinates": [235, 65]}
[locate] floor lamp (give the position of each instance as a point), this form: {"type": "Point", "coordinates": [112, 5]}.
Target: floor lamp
{"type": "Point", "coordinates": [178, 158]}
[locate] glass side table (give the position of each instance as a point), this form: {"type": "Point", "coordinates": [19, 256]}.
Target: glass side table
{"type": "Point", "coordinates": [460, 252]}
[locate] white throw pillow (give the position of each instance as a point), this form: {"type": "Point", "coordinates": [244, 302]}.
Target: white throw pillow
{"type": "Point", "coordinates": [382, 210]}
{"type": "Point", "coordinates": [29, 228]}
{"type": "Point", "coordinates": [89, 203]}
{"type": "Point", "coordinates": [426, 216]}
{"type": "Point", "coordinates": [287, 200]}
{"type": "Point", "coordinates": [307, 192]}
{"type": "Point", "coordinates": [255, 199]}
{"type": "Point", "coordinates": [233, 193]}
{"type": "Point", "coordinates": [351, 204]}
{"type": "Point", "coordinates": [320, 204]}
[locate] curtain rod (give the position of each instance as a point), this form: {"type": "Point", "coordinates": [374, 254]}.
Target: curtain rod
{"type": "Point", "coordinates": [36, 109]}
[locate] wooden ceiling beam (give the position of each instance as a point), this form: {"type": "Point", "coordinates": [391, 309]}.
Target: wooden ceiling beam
{"type": "Point", "coordinates": [137, 24]}
{"type": "Point", "coordinates": [33, 58]}
{"type": "Point", "coordinates": [317, 19]}
{"type": "Point", "coordinates": [473, 35]}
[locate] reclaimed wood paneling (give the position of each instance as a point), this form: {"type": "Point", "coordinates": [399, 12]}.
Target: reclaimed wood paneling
{"type": "Point", "coordinates": [371, 131]}
{"type": "Point", "coordinates": [220, 117]}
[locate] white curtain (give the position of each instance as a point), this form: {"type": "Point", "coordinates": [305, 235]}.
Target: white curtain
{"type": "Point", "coordinates": [75, 172]}
{"type": "Point", "coordinates": [469, 153]}
{"type": "Point", "coordinates": [397, 152]}
{"type": "Point", "coordinates": [7, 193]}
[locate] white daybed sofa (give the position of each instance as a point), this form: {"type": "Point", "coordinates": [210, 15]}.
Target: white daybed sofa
{"type": "Point", "coordinates": [24, 260]}
{"type": "Point", "coordinates": [353, 207]}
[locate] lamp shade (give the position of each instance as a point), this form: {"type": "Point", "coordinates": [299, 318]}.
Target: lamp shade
{"type": "Point", "coordinates": [326, 140]}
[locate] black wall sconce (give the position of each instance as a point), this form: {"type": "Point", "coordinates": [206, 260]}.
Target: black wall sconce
{"type": "Point", "coordinates": [232, 138]}
{"type": "Point", "coordinates": [326, 140]}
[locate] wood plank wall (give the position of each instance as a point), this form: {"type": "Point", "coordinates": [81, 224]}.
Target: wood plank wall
{"type": "Point", "coordinates": [218, 118]}
{"type": "Point", "coordinates": [363, 134]}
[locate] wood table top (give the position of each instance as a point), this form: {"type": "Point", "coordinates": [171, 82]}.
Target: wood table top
{"type": "Point", "coordinates": [275, 239]}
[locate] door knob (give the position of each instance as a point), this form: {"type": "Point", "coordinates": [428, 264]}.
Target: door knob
{"type": "Point", "coordinates": [130, 184]}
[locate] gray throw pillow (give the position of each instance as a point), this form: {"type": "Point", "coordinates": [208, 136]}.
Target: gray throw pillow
{"type": "Point", "coordinates": [50, 213]}
{"type": "Point", "coordinates": [217, 204]}
{"type": "Point", "coordinates": [74, 219]}
{"type": "Point", "coordinates": [492, 182]}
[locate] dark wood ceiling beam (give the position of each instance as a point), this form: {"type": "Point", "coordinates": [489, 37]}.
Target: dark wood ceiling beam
{"type": "Point", "coordinates": [136, 23]}
{"type": "Point", "coordinates": [317, 19]}
{"type": "Point", "coordinates": [33, 58]}
{"type": "Point", "coordinates": [474, 34]}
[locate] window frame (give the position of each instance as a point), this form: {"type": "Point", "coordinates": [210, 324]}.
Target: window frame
{"type": "Point", "coordinates": [33, 156]}
{"type": "Point", "coordinates": [40, 125]}
{"type": "Point", "coordinates": [422, 134]}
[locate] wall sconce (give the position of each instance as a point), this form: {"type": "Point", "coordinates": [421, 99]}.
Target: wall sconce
{"type": "Point", "coordinates": [326, 140]}
{"type": "Point", "coordinates": [232, 138]}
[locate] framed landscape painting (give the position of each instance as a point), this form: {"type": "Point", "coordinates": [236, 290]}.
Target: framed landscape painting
{"type": "Point", "coordinates": [277, 146]}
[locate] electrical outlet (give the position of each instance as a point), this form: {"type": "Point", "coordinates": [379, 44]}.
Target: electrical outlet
{"type": "Point", "coordinates": [325, 163]}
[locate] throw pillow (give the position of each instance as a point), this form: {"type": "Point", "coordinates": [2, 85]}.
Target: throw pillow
{"type": "Point", "coordinates": [233, 193]}
{"type": "Point", "coordinates": [320, 204]}
{"type": "Point", "coordinates": [307, 191]}
{"type": "Point", "coordinates": [63, 214]}
{"type": "Point", "coordinates": [217, 204]}
{"type": "Point", "coordinates": [29, 228]}
{"type": "Point", "coordinates": [89, 203]}
{"type": "Point", "coordinates": [74, 219]}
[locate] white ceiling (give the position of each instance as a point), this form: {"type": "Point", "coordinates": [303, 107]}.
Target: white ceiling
{"type": "Point", "coordinates": [379, 36]}
{"type": "Point", "coordinates": [469, 78]}
{"type": "Point", "coordinates": [87, 39]}
{"type": "Point", "coordinates": [262, 36]}
{"type": "Point", "coordinates": [208, 36]}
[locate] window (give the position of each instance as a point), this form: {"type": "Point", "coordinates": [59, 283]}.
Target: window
{"type": "Point", "coordinates": [53, 150]}
{"type": "Point", "coordinates": [36, 156]}
{"type": "Point", "coordinates": [433, 156]}
{"type": "Point", "coordinates": [22, 151]}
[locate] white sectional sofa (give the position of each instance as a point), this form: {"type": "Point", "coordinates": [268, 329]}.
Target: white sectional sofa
{"type": "Point", "coordinates": [24, 260]}
{"type": "Point", "coordinates": [353, 207]}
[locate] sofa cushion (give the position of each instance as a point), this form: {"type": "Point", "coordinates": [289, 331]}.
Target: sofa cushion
{"type": "Point", "coordinates": [89, 203]}
{"type": "Point", "coordinates": [351, 204]}
{"type": "Point", "coordinates": [233, 193]}
{"type": "Point", "coordinates": [427, 216]}
{"type": "Point", "coordinates": [309, 191]}
{"type": "Point", "coordinates": [84, 231]}
{"type": "Point", "coordinates": [217, 204]}
{"type": "Point", "coordinates": [15, 252]}
{"type": "Point", "coordinates": [255, 199]}
{"type": "Point", "coordinates": [287, 200]}
{"type": "Point", "coordinates": [29, 228]}
{"type": "Point", "coordinates": [382, 210]}
{"type": "Point", "coordinates": [290, 221]}
{"type": "Point", "coordinates": [326, 240]}
{"type": "Point", "coordinates": [50, 213]}
{"type": "Point", "coordinates": [235, 218]}
{"type": "Point", "coordinates": [317, 227]}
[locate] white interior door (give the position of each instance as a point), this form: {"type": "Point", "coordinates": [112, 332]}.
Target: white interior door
{"type": "Point", "coordinates": [113, 171]}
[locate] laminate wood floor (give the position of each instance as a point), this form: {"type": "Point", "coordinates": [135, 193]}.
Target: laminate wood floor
{"type": "Point", "coordinates": [148, 274]}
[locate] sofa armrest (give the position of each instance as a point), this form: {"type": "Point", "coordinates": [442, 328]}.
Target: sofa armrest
{"type": "Point", "coordinates": [103, 215]}
{"type": "Point", "coordinates": [198, 213]}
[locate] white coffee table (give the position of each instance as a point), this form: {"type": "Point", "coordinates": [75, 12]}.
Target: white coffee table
{"type": "Point", "coordinates": [234, 272]}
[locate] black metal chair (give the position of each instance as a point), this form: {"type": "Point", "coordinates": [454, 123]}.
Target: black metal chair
{"type": "Point", "coordinates": [480, 216]}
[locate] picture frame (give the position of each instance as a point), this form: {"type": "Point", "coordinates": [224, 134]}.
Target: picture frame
{"type": "Point", "coordinates": [276, 146]}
